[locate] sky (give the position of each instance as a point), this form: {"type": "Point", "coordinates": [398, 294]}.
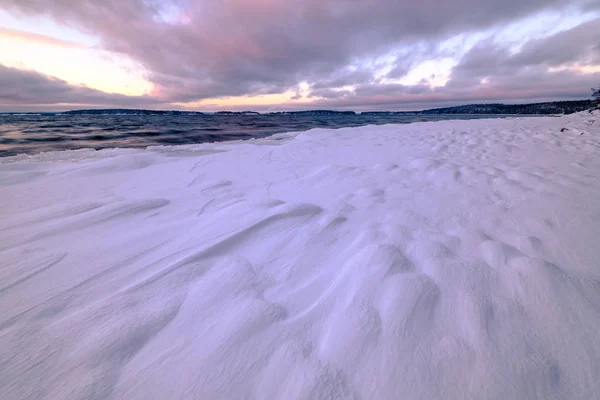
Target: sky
{"type": "Point", "coordinates": [273, 55]}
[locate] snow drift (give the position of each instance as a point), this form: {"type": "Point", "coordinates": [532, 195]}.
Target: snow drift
{"type": "Point", "coordinates": [454, 260]}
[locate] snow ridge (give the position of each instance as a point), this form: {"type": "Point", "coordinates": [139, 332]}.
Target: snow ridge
{"type": "Point", "coordinates": [454, 260]}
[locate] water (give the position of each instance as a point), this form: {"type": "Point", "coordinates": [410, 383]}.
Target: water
{"type": "Point", "coordinates": [31, 134]}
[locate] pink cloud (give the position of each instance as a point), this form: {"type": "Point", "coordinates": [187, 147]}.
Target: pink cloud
{"type": "Point", "coordinates": [37, 38]}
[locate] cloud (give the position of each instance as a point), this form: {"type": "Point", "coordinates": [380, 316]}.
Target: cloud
{"type": "Point", "coordinates": [542, 70]}
{"type": "Point", "coordinates": [22, 89]}
{"type": "Point", "coordinates": [37, 38]}
{"type": "Point", "coordinates": [209, 49]}
{"type": "Point", "coordinates": [549, 66]}
{"type": "Point", "coordinates": [533, 87]}
{"type": "Point", "coordinates": [577, 45]}
{"type": "Point", "coordinates": [343, 50]}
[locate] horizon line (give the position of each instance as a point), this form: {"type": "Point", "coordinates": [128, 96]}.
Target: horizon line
{"type": "Point", "coordinates": [285, 111]}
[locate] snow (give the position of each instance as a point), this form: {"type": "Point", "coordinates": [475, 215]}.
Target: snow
{"type": "Point", "coordinates": [455, 260]}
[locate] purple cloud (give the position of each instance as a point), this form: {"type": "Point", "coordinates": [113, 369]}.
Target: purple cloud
{"type": "Point", "coordinates": [196, 50]}
{"type": "Point", "coordinates": [22, 89]}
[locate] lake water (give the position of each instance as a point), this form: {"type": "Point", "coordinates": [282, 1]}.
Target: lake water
{"type": "Point", "coordinates": [31, 133]}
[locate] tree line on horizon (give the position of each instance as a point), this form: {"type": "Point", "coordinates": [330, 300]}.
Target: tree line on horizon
{"type": "Point", "coordinates": [553, 107]}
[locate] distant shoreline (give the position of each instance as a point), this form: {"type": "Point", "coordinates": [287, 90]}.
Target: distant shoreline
{"type": "Point", "coordinates": [554, 107]}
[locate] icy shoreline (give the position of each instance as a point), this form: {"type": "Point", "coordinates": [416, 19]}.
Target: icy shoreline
{"type": "Point", "coordinates": [454, 259]}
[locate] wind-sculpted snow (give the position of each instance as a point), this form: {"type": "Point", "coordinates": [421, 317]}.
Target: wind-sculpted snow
{"type": "Point", "coordinates": [454, 260]}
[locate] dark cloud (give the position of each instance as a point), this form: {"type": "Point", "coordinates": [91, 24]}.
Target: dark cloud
{"type": "Point", "coordinates": [535, 86]}
{"type": "Point", "coordinates": [207, 49]}
{"type": "Point", "coordinates": [197, 50]}
{"type": "Point", "coordinates": [392, 89]}
{"type": "Point", "coordinates": [486, 57]}
{"type": "Point", "coordinates": [580, 44]}
{"type": "Point", "coordinates": [343, 78]}
{"type": "Point", "coordinates": [542, 70]}
{"type": "Point", "coordinates": [548, 66]}
{"type": "Point", "coordinates": [22, 89]}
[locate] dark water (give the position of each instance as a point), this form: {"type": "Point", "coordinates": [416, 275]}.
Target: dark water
{"type": "Point", "coordinates": [31, 134]}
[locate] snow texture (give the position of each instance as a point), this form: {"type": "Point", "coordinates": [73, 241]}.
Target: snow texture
{"type": "Point", "coordinates": [446, 260]}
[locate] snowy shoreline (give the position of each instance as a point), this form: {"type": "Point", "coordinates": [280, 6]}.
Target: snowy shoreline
{"type": "Point", "coordinates": [452, 259]}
